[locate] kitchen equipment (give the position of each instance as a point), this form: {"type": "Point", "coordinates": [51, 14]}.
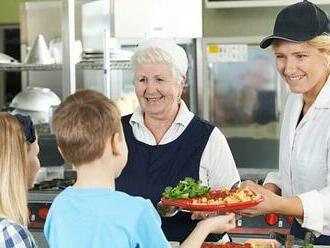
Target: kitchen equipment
{"type": "Point", "coordinates": [36, 102]}
{"type": "Point", "coordinates": [51, 112]}
{"type": "Point", "coordinates": [243, 95]}
{"type": "Point", "coordinates": [4, 58]}
{"type": "Point", "coordinates": [168, 211]}
{"type": "Point", "coordinates": [56, 50]}
{"type": "Point", "coordinates": [39, 53]}
{"type": "Point", "coordinates": [40, 198]}
{"type": "Point", "coordinates": [115, 54]}
{"type": "Point", "coordinates": [37, 117]}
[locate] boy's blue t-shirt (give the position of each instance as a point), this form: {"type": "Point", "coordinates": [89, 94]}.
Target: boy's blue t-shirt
{"type": "Point", "coordinates": [102, 218]}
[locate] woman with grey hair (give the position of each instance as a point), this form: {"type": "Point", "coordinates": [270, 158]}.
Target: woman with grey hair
{"type": "Point", "coordinates": [166, 141]}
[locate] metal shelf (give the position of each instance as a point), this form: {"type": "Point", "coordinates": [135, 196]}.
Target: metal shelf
{"type": "Point", "coordinates": [85, 65]}
{"type": "Point", "coordinates": [98, 65]}
{"type": "Point", "coordinates": [29, 67]}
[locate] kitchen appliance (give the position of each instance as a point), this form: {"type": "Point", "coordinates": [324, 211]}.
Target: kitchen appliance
{"type": "Point", "coordinates": [243, 94]}
{"type": "Point", "coordinates": [260, 226]}
{"type": "Point", "coordinates": [36, 102]}
{"type": "Point", "coordinates": [40, 198]}
{"type": "Point", "coordinates": [51, 179]}
{"type": "Point", "coordinates": [4, 58]}
{"type": "Point", "coordinates": [56, 50]}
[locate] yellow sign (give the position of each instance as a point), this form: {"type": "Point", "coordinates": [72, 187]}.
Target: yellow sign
{"type": "Point", "coordinates": [213, 48]}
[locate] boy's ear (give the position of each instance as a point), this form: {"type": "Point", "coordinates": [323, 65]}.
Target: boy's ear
{"type": "Point", "coordinates": [116, 144]}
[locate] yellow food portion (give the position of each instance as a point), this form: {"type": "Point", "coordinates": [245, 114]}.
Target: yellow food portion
{"type": "Point", "coordinates": [227, 196]}
{"type": "Point", "coordinates": [262, 243]}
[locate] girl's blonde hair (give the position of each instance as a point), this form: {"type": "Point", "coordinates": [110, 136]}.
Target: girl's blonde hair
{"type": "Point", "coordinates": [13, 170]}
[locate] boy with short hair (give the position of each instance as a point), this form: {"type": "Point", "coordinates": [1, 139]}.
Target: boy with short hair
{"type": "Point", "coordinates": [92, 213]}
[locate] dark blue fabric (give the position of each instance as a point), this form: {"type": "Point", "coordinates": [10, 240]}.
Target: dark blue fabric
{"type": "Point", "coordinates": [300, 232]}
{"type": "Point", "coordinates": [151, 168]}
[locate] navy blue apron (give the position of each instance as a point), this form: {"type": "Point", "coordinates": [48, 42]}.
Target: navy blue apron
{"type": "Point", "coordinates": [300, 232]}
{"type": "Point", "coordinates": [150, 168]}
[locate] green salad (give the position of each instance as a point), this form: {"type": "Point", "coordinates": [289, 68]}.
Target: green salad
{"type": "Point", "coordinates": [307, 246]}
{"type": "Point", "coordinates": [186, 188]}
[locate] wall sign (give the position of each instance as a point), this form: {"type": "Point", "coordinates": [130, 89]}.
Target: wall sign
{"type": "Point", "coordinates": [227, 52]}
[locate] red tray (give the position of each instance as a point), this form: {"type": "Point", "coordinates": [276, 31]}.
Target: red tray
{"type": "Point", "coordinates": [187, 205]}
{"type": "Point", "coordinates": [226, 245]}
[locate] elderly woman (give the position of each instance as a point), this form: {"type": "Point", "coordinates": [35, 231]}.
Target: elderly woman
{"type": "Point", "coordinates": [301, 44]}
{"type": "Point", "coordinates": [19, 164]}
{"type": "Point", "coordinates": [166, 141]}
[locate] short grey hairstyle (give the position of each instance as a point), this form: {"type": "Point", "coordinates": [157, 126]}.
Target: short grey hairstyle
{"type": "Point", "coordinates": [161, 51]}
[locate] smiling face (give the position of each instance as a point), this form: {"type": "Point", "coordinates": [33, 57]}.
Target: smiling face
{"type": "Point", "coordinates": [303, 67]}
{"type": "Point", "coordinates": [157, 89]}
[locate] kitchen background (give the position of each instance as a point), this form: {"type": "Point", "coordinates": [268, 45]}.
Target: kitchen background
{"type": "Point", "coordinates": [222, 90]}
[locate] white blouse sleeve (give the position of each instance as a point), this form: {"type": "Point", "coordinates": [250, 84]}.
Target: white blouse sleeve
{"type": "Point", "coordinates": [316, 206]}
{"type": "Point", "coordinates": [273, 177]}
{"type": "Point", "coordinates": [217, 167]}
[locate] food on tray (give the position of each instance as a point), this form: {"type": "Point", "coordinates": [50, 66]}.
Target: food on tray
{"type": "Point", "coordinates": [226, 196]}
{"type": "Point", "coordinates": [191, 195]}
{"type": "Point", "coordinates": [186, 188]}
{"type": "Point", "coordinates": [263, 243]}
{"type": "Point", "coordinates": [253, 243]}
{"type": "Point", "coordinates": [226, 245]}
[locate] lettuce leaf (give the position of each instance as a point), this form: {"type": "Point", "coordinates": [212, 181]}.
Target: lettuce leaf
{"type": "Point", "coordinates": [186, 188]}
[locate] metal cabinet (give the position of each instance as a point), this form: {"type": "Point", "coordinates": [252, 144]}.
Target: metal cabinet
{"type": "Point", "coordinates": [245, 98]}
{"type": "Point", "coordinates": [72, 19]}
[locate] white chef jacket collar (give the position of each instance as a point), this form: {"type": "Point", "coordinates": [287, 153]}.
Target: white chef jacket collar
{"type": "Point", "coordinates": [183, 117]}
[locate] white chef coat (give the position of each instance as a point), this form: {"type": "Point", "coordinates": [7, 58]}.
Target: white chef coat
{"type": "Point", "coordinates": [217, 166]}
{"type": "Point", "coordinates": [304, 168]}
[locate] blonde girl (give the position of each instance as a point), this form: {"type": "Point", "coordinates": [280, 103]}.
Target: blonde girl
{"type": "Point", "coordinates": [18, 166]}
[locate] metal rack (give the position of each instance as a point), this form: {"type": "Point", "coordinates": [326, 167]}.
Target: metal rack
{"type": "Point", "coordinates": [68, 36]}
{"type": "Point", "coordinates": [69, 67]}
{"type": "Point", "coordinates": [84, 65]}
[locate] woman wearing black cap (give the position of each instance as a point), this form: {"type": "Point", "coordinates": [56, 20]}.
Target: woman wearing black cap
{"type": "Point", "coordinates": [301, 44]}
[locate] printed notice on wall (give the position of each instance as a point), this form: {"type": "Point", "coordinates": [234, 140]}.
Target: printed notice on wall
{"type": "Point", "coordinates": [227, 53]}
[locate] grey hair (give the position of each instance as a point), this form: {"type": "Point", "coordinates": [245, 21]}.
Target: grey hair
{"type": "Point", "coordinates": [155, 55]}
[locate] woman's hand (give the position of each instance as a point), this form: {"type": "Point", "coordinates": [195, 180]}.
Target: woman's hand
{"type": "Point", "coordinates": [197, 215]}
{"type": "Point", "coordinates": [219, 224]}
{"type": "Point", "coordinates": [270, 203]}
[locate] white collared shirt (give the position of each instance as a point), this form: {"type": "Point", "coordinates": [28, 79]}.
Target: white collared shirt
{"type": "Point", "coordinates": [217, 166]}
{"type": "Point", "coordinates": [304, 168]}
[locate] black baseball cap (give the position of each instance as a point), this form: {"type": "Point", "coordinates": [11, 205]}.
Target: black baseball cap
{"type": "Point", "coordinates": [299, 22]}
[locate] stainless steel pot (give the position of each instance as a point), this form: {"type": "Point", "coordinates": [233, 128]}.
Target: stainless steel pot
{"type": "Point", "coordinates": [4, 58]}
{"type": "Point", "coordinates": [36, 102]}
